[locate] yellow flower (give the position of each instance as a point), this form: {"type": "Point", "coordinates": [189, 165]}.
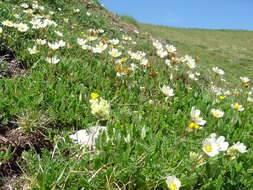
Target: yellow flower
{"type": "Point", "coordinates": [94, 96]}
{"type": "Point", "coordinates": [193, 125]}
{"type": "Point", "coordinates": [222, 97]}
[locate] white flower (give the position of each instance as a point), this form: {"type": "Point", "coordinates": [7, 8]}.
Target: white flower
{"type": "Point", "coordinates": [76, 10]}
{"type": "Point", "coordinates": [88, 13]}
{"type": "Point", "coordinates": [191, 64]}
{"type": "Point", "coordinates": [114, 41]}
{"type": "Point", "coordinates": [24, 5]}
{"type": "Point", "coordinates": [245, 79]}
{"type": "Point", "coordinates": [144, 62]}
{"type": "Point", "coordinates": [249, 99]}
{"type": "Point", "coordinates": [41, 41]}
{"type": "Point", "coordinates": [81, 41]}
{"type": "Point", "coordinates": [173, 183]}
{"type": "Point", "coordinates": [137, 55]}
{"type": "Point", "coordinates": [99, 48]}
{"type": "Point", "coordinates": [62, 43]}
{"type": "Point", "coordinates": [58, 33]}
{"type": "Point", "coordinates": [127, 38]}
{"type": "Point", "coordinates": [223, 146]}
{"type": "Point", "coordinates": [237, 106]}
{"type": "Point", "coordinates": [53, 46]}
{"type": "Point", "coordinates": [166, 90]}
{"type": "Point", "coordinates": [33, 50]}
{"type": "Point", "coordinates": [92, 38]}
{"type": "Point", "coordinates": [218, 71]}
{"type": "Point", "coordinates": [115, 52]}
{"type": "Point", "coordinates": [8, 23]}
{"type": "Point", "coordinates": [237, 147]}
{"type": "Point", "coordinates": [195, 117]}
{"type": "Point", "coordinates": [210, 147]}
{"type": "Point", "coordinates": [217, 113]}
{"type": "Point", "coordinates": [171, 48]}
{"type": "Point", "coordinates": [161, 53]}
{"type": "Point", "coordinates": [158, 45]}
{"type": "Point", "coordinates": [52, 60]}
{"type": "Point", "coordinates": [22, 27]}
{"type": "Point", "coordinates": [88, 137]}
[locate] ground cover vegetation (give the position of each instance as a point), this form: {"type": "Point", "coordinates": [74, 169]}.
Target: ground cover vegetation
{"type": "Point", "coordinates": [90, 100]}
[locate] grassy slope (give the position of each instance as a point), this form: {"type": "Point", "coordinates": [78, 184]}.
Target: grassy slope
{"type": "Point", "coordinates": [227, 49]}
{"type": "Point", "coordinates": [149, 137]}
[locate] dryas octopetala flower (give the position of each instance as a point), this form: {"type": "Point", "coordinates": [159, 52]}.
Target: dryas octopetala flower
{"type": "Point", "coordinates": [218, 71]}
{"type": "Point", "coordinates": [54, 46]}
{"type": "Point", "coordinates": [217, 113]}
{"type": "Point", "coordinates": [52, 60]}
{"type": "Point", "coordinates": [171, 48]}
{"type": "Point", "coordinates": [137, 55]}
{"type": "Point", "coordinates": [189, 61]}
{"type": "Point", "coordinates": [41, 41]}
{"type": "Point", "coordinates": [21, 27]}
{"type": "Point", "coordinates": [8, 23]}
{"type": "Point", "coordinates": [196, 121]}
{"type": "Point", "coordinates": [115, 52]}
{"type": "Point", "coordinates": [114, 41]}
{"type": "Point", "coordinates": [245, 79]}
{"type": "Point", "coordinates": [167, 91]}
{"type": "Point", "coordinates": [100, 107]}
{"type": "Point", "coordinates": [235, 149]}
{"type": "Point", "coordinates": [173, 183]}
{"type": "Point", "coordinates": [161, 53]}
{"type": "Point", "coordinates": [99, 48]}
{"type": "Point", "coordinates": [81, 41]}
{"type": "Point", "coordinates": [33, 50]}
{"type": "Point", "coordinates": [237, 106]}
{"type": "Point", "coordinates": [210, 147]}
{"type": "Point", "coordinates": [144, 61]}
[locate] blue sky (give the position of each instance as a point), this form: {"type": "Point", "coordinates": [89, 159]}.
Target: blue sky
{"type": "Point", "coordinates": [212, 14]}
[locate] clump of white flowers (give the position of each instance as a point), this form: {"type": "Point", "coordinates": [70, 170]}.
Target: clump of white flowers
{"type": "Point", "coordinates": [196, 121]}
{"type": "Point", "coordinates": [100, 107]}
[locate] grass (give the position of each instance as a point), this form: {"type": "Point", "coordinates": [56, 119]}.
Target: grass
{"type": "Point", "coordinates": [147, 137]}
{"type": "Point", "coordinates": [227, 49]}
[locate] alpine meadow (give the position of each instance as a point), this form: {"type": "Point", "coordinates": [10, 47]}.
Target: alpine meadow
{"type": "Point", "coordinates": [91, 100]}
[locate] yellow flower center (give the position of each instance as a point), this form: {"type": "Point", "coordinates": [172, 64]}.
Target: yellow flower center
{"type": "Point", "coordinates": [193, 125]}
{"type": "Point", "coordinates": [173, 186]}
{"type": "Point", "coordinates": [94, 96]}
{"type": "Point", "coordinates": [208, 148]}
{"type": "Point", "coordinates": [237, 106]}
{"type": "Point", "coordinates": [222, 97]}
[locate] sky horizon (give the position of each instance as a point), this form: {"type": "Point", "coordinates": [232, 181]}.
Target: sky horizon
{"type": "Point", "coordinates": [202, 14]}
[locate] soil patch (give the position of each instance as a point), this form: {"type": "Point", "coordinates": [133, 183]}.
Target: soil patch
{"type": "Point", "coordinates": [9, 66]}
{"type": "Point", "coordinates": [17, 141]}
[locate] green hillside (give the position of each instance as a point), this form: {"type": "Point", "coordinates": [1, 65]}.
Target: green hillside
{"type": "Point", "coordinates": [90, 101]}
{"type": "Point", "coordinates": [230, 50]}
